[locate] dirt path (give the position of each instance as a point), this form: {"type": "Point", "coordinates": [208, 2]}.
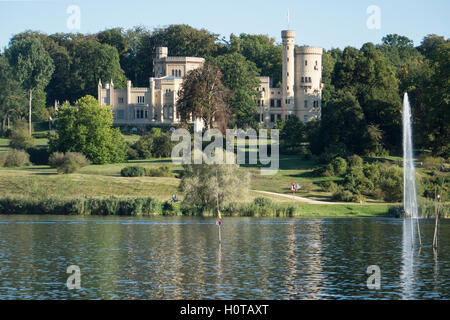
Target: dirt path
{"type": "Point", "coordinates": [306, 200]}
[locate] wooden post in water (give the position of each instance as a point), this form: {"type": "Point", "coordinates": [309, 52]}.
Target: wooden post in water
{"type": "Point", "coordinates": [436, 213]}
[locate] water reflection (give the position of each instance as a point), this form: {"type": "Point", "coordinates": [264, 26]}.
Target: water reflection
{"type": "Point", "coordinates": [181, 258]}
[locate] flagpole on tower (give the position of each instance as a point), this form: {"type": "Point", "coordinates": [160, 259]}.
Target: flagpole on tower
{"type": "Point", "coordinates": [288, 18]}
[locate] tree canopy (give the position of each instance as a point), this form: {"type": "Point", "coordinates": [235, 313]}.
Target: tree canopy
{"type": "Point", "coordinates": [87, 128]}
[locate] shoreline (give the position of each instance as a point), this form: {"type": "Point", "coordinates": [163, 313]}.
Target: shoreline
{"type": "Point", "coordinates": [148, 206]}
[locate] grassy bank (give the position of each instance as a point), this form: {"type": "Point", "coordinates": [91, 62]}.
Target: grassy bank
{"type": "Point", "coordinates": [147, 206]}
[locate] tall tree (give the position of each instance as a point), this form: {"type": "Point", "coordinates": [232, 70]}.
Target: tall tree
{"type": "Point", "coordinates": [12, 97]}
{"type": "Point", "coordinates": [93, 61]}
{"type": "Point", "coordinates": [32, 66]}
{"type": "Point", "coordinates": [240, 76]}
{"type": "Point", "coordinates": [204, 96]}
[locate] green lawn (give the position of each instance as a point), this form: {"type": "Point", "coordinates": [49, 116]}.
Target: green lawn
{"type": "Point", "coordinates": [105, 181]}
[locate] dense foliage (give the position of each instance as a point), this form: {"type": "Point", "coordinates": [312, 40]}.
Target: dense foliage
{"type": "Point", "coordinates": [87, 128]}
{"type": "Point", "coordinates": [362, 87]}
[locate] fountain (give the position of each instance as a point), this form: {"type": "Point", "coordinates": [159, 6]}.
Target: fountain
{"type": "Point", "coordinates": [409, 172]}
{"type": "Point", "coordinates": [410, 221]}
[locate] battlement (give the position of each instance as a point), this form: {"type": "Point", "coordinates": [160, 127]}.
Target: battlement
{"type": "Point", "coordinates": [308, 50]}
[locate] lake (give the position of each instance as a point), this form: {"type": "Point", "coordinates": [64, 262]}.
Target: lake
{"type": "Point", "coordinates": [181, 258]}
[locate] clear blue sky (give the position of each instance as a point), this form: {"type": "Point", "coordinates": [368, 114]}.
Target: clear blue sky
{"type": "Point", "coordinates": [325, 23]}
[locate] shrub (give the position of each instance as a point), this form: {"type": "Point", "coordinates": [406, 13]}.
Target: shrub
{"type": "Point", "coordinates": [329, 186]}
{"type": "Point", "coordinates": [391, 183]}
{"type": "Point", "coordinates": [431, 162]}
{"type": "Point", "coordinates": [68, 166]}
{"type": "Point", "coordinates": [20, 139]}
{"type": "Point", "coordinates": [158, 172]}
{"type": "Point", "coordinates": [16, 158]}
{"type": "Point", "coordinates": [132, 154]}
{"type": "Point", "coordinates": [68, 162]}
{"type": "Point", "coordinates": [143, 147]}
{"type": "Point", "coordinates": [355, 161]}
{"type": "Point", "coordinates": [162, 146]}
{"type": "Point", "coordinates": [132, 171]}
{"type": "Point", "coordinates": [343, 195]}
{"type": "Point", "coordinates": [56, 159]}
{"type": "Point", "coordinates": [339, 166]}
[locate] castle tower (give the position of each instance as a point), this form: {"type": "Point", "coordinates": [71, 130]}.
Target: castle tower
{"type": "Point", "coordinates": [308, 82]}
{"type": "Point", "coordinates": [287, 102]}
{"type": "Point", "coordinates": [161, 52]}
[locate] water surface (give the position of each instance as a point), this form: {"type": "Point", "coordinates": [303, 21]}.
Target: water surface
{"type": "Point", "coordinates": [180, 258]}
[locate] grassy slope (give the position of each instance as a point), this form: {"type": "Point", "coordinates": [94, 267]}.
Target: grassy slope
{"type": "Point", "coordinates": [105, 181]}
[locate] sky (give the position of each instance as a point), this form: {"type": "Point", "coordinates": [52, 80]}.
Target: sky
{"type": "Point", "coordinates": [325, 23]}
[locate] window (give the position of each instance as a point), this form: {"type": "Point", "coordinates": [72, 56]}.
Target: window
{"type": "Point", "coordinates": [173, 72]}
{"type": "Point", "coordinates": [306, 62]}
{"type": "Point", "coordinates": [305, 118]}
{"type": "Point", "coordinates": [141, 99]}
{"type": "Point", "coordinates": [303, 79]}
{"type": "Point", "coordinates": [279, 103]}
{"type": "Point", "coordinates": [259, 103]}
{"type": "Point", "coordinates": [306, 103]}
{"type": "Point", "coordinates": [272, 103]}
{"type": "Point", "coordinates": [263, 89]}
{"type": "Point", "coordinates": [309, 79]}
{"type": "Point", "coordinates": [272, 118]}
{"type": "Point", "coordinates": [120, 114]}
{"type": "Point", "coordinates": [179, 73]}
{"type": "Point", "coordinates": [262, 103]}
{"type": "Point", "coordinates": [287, 87]}
{"type": "Point", "coordinates": [120, 100]}
{"type": "Point", "coordinates": [278, 116]}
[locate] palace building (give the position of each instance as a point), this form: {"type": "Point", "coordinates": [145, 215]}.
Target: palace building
{"type": "Point", "coordinates": [300, 95]}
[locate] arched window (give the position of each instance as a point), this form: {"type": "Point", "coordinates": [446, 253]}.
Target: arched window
{"type": "Point", "coordinates": [179, 73]}
{"type": "Point", "coordinates": [173, 72]}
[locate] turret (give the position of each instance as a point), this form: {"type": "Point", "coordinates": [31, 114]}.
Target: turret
{"type": "Point", "coordinates": [288, 37]}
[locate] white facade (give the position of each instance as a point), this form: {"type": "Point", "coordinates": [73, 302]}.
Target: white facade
{"type": "Point", "coordinates": [300, 95]}
{"type": "Point", "coordinates": [301, 92]}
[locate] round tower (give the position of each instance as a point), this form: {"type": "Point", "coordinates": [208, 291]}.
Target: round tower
{"type": "Point", "coordinates": [308, 82]}
{"type": "Point", "coordinates": [161, 52]}
{"type": "Point", "coordinates": [287, 102]}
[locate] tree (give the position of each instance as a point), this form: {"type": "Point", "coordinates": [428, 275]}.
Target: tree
{"type": "Point", "coordinates": [437, 98]}
{"type": "Point", "coordinates": [343, 123]}
{"type": "Point", "coordinates": [93, 61]}
{"type": "Point", "coordinates": [32, 66]}
{"type": "Point", "coordinates": [204, 96]}
{"type": "Point", "coordinates": [261, 50]}
{"type": "Point", "coordinates": [87, 128]}
{"type": "Point", "coordinates": [213, 186]}
{"type": "Point", "coordinates": [292, 135]}
{"type": "Point", "coordinates": [240, 76]}
{"type": "Point", "coordinates": [12, 97]}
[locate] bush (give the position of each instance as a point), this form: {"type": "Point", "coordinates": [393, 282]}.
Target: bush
{"type": "Point", "coordinates": [343, 195]}
{"type": "Point", "coordinates": [132, 171]}
{"type": "Point", "coordinates": [391, 183]}
{"type": "Point", "coordinates": [339, 166]}
{"type": "Point", "coordinates": [142, 148]}
{"type": "Point", "coordinates": [68, 162]}
{"type": "Point", "coordinates": [56, 159]}
{"type": "Point", "coordinates": [15, 158]}
{"type": "Point", "coordinates": [162, 146]}
{"type": "Point", "coordinates": [158, 172]}
{"type": "Point", "coordinates": [20, 139]}
{"type": "Point", "coordinates": [38, 156]}
{"type": "Point", "coordinates": [329, 186]}
{"type": "Point", "coordinates": [355, 161]}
